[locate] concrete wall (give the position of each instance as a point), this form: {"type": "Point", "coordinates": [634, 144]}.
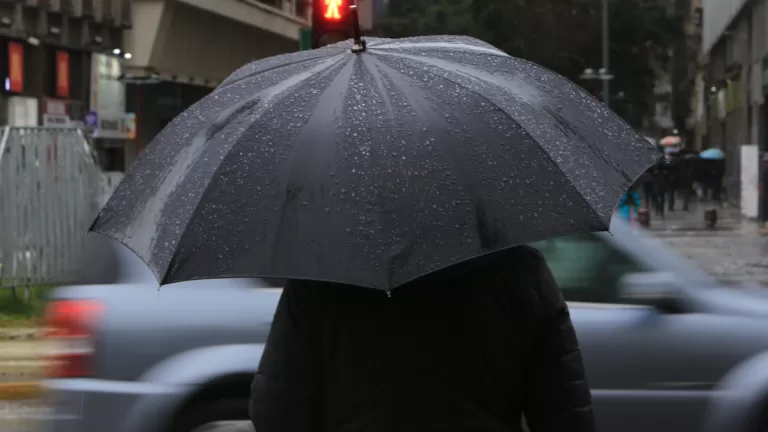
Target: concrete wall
{"type": "Point", "coordinates": [203, 41]}
{"type": "Point", "coordinates": [253, 14]}
{"type": "Point", "coordinates": [718, 14]}
{"type": "Point", "coordinates": [742, 50]}
{"type": "Point", "coordinates": [194, 41]}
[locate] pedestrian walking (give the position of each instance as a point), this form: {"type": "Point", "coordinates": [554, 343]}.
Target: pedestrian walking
{"type": "Point", "coordinates": [660, 189]}
{"type": "Point", "coordinates": [439, 354]}
{"type": "Point", "coordinates": [645, 183]}
{"type": "Point", "coordinates": [718, 179]}
{"type": "Point", "coordinates": [680, 181]}
{"type": "Point", "coordinates": [629, 205]}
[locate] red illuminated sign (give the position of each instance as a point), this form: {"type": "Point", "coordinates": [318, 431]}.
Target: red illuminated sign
{"type": "Point", "coordinates": [62, 74]}
{"type": "Point", "coordinates": [15, 67]}
{"type": "Point", "coordinates": [332, 9]}
{"type": "Point", "coordinates": [331, 22]}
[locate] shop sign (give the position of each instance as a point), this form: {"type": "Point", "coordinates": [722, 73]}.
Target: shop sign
{"type": "Point", "coordinates": [15, 67]}
{"type": "Point", "coordinates": [91, 119]}
{"type": "Point", "coordinates": [53, 120]}
{"type": "Point", "coordinates": [55, 113]}
{"type": "Point", "coordinates": [119, 126]}
{"type": "Point", "coordinates": [62, 74]}
{"type": "Point", "coordinates": [130, 125]}
{"type": "Point", "coordinates": [107, 91]}
{"type": "Point", "coordinates": [53, 106]}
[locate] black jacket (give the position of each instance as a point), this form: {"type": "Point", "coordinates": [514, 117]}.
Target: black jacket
{"type": "Point", "coordinates": [470, 349]}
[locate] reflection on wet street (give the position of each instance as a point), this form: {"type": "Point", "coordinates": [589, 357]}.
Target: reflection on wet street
{"type": "Point", "coordinates": [734, 251]}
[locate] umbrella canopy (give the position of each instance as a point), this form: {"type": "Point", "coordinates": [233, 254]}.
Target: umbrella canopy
{"type": "Point", "coordinates": [712, 153]}
{"type": "Point", "coordinates": [670, 141]}
{"type": "Point", "coordinates": [373, 168]}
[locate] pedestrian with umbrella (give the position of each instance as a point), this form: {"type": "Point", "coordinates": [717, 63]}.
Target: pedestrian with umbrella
{"type": "Point", "coordinates": [629, 205]}
{"type": "Point", "coordinates": [712, 165]}
{"type": "Point", "coordinates": [394, 184]}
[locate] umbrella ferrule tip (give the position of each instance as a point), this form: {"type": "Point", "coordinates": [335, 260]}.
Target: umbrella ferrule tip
{"type": "Point", "coordinates": [358, 47]}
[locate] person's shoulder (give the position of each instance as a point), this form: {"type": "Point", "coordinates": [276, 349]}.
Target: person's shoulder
{"type": "Point", "coordinates": [520, 259]}
{"type": "Point", "coordinates": [531, 254]}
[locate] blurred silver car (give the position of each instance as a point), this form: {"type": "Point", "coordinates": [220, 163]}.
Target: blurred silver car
{"type": "Point", "coordinates": [667, 348]}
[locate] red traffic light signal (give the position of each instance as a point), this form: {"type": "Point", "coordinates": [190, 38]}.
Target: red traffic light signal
{"type": "Point", "coordinates": [333, 11]}
{"type": "Point", "coordinates": [331, 21]}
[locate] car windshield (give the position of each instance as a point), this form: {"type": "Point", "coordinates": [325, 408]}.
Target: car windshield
{"type": "Point", "coordinates": [589, 267]}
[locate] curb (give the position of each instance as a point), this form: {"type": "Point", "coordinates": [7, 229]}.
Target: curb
{"type": "Point", "coordinates": [17, 391]}
{"type": "Point", "coordinates": [19, 334]}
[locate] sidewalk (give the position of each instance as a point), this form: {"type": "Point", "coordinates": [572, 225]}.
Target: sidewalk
{"type": "Point", "coordinates": [734, 251]}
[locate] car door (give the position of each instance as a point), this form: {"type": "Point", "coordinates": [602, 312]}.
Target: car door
{"type": "Point", "coordinates": [638, 359]}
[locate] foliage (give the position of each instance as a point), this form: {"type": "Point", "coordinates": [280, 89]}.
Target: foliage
{"type": "Point", "coordinates": [428, 17]}
{"type": "Point", "coordinates": [16, 312]}
{"type": "Point", "coordinates": [563, 35]}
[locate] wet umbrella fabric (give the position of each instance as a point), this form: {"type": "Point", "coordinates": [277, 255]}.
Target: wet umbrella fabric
{"type": "Point", "coordinates": [373, 168]}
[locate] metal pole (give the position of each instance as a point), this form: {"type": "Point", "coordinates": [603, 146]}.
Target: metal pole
{"type": "Point", "coordinates": [606, 60]}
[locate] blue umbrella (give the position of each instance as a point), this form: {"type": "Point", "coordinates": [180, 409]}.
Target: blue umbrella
{"type": "Point", "coordinates": [713, 153]}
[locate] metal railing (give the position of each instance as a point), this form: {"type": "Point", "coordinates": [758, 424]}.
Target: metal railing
{"type": "Point", "coordinates": [49, 195]}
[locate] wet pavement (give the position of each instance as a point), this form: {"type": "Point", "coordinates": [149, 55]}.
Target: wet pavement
{"type": "Point", "coordinates": [735, 251]}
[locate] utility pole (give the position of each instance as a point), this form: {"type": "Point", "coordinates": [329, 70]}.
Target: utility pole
{"type": "Point", "coordinates": [606, 54]}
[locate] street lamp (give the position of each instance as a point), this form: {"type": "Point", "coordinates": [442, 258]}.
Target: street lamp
{"type": "Point", "coordinates": [601, 74]}
{"type": "Point", "coordinates": [606, 58]}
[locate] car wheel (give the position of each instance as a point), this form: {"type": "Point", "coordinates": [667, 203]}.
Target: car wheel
{"type": "Point", "coordinates": [226, 415]}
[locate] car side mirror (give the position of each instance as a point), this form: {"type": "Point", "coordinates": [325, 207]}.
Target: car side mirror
{"type": "Point", "coordinates": [660, 290]}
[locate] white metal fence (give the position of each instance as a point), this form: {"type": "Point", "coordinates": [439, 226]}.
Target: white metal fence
{"type": "Point", "coordinates": [50, 187]}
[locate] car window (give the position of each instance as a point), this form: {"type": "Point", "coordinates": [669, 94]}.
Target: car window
{"type": "Point", "coordinates": [586, 267]}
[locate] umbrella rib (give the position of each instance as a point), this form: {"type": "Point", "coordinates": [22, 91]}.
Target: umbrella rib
{"type": "Point", "coordinates": [227, 84]}
{"type": "Point", "coordinates": [448, 45]}
{"type": "Point", "coordinates": [508, 115]}
{"type": "Point", "coordinates": [278, 92]}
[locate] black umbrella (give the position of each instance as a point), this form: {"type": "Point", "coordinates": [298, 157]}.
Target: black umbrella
{"type": "Point", "coordinates": [373, 168]}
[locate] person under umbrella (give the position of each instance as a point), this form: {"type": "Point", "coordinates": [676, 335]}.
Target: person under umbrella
{"type": "Point", "coordinates": [393, 183]}
{"type": "Point", "coordinates": [645, 184]}
{"type": "Point", "coordinates": [629, 205]}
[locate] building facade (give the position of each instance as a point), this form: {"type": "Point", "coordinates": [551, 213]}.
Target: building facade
{"type": "Point", "coordinates": [182, 49]}
{"type": "Point", "coordinates": [50, 52]}
{"type": "Point", "coordinates": [732, 86]}
{"type": "Point", "coordinates": [46, 55]}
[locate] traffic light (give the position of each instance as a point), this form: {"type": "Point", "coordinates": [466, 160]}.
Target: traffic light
{"type": "Point", "coordinates": [332, 21]}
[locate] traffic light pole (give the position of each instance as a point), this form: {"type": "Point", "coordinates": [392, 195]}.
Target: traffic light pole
{"type": "Point", "coordinates": [358, 42]}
